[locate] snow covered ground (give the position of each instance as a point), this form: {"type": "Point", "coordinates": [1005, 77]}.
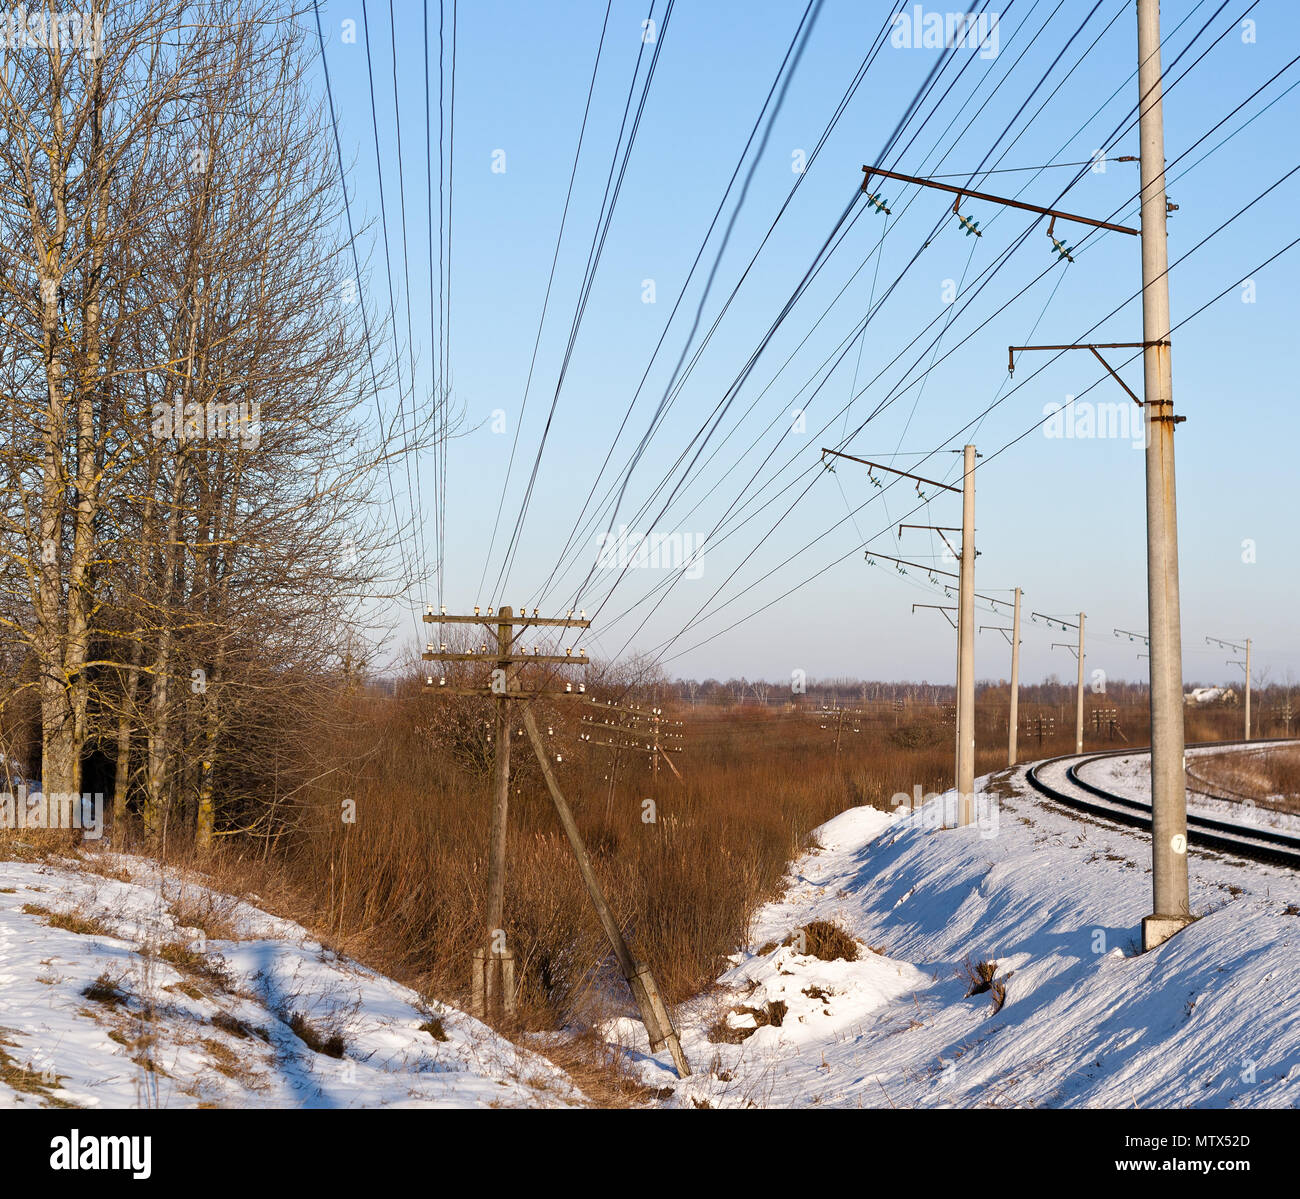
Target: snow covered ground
{"type": "Point", "coordinates": [1129, 775]}
{"type": "Point", "coordinates": [111, 995]}
{"type": "Point", "coordinates": [1055, 903]}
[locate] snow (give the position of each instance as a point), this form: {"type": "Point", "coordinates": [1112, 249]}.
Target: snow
{"type": "Point", "coordinates": [75, 1049]}
{"type": "Point", "coordinates": [1209, 695]}
{"type": "Point", "coordinates": [1129, 775]}
{"type": "Point", "coordinates": [1056, 902]}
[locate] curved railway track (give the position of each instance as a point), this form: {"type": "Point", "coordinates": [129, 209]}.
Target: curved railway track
{"type": "Point", "coordinates": [1058, 779]}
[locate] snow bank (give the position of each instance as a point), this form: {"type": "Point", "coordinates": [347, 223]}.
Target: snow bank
{"type": "Point", "coordinates": [108, 1000]}
{"type": "Point", "coordinates": [1055, 903]}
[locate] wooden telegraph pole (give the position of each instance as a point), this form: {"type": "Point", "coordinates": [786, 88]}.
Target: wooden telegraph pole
{"type": "Point", "coordinates": [837, 716]}
{"type": "Point", "coordinates": [625, 728]}
{"type": "Point", "coordinates": [492, 982]}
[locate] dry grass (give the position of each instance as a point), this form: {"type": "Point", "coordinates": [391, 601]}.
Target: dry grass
{"type": "Point", "coordinates": [106, 990]}
{"type": "Point", "coordinates": [330, 1044]}
{"type": "Point", "coordinates": [723, 1032]}
{"type": "Point", "coordinates": [237, 1028]}
{"type": "Point", "coordinates": [824, 940]}
{"type": "Point", "coordinates": [434, 1027]}
{"type": "Point", "coordinates": [86, 926]}
{"type": "Point", "coordinates": [981, 978]}
{"type": "Point", "coordinates": [37, 845]}
{"type": "Point", "coordinates": [28, 1079]}
{"type": "Point", "coordinates": [210, 912]}
{"type": "Point", "coordinates": [1269, 777]}
{"type": "Point", "coordinates": [189, 961]}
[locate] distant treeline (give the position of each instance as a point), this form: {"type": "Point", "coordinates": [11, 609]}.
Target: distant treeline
{"type": "Point", "coordinates": [847, 692]}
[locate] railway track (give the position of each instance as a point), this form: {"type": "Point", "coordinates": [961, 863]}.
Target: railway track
{"type": "Point", "coordinates": [1058, 779]}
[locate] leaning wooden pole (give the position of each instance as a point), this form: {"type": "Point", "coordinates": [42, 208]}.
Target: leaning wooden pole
{"type": "Point", "coordinates": [654, 1015]}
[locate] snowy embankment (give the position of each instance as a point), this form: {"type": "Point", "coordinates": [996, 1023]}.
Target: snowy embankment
{"type": "Point", "coordinates": [1054, 903]}
{"type": "Point", "coordinates": [146, 989]}
{"type": "Point", "coordinates": [1129, 775]}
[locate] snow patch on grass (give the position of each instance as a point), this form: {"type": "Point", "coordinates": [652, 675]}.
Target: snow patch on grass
{"type": "Point", "coordinates": [148, 989]}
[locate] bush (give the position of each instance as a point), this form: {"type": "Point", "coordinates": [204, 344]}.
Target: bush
{"type": "Point", "coordinates": [825, 940]}
{"type": "Point", "coordinates": [921, 734]}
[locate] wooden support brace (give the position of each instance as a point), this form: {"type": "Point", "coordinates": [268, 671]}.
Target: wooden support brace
{"type": "Point", "coordinates": [654, 1015]}
{"type": "Point", "coordinates": [673, 768]}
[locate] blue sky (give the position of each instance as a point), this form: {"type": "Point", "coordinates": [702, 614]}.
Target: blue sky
{"type": "Point", "coordinates": [1061, 517]}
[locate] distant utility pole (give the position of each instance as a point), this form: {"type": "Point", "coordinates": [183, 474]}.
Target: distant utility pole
{"type": "Point", "coordinates": [494, 964]}
{"type": "Point", "coordinates": [965, 736]}
{"type": "Point", "coordinates": [838, 715]}
{"type": "Point", "coordinates": [964, 769]}
{"type": "Point", "coordinates": [1015, 681]}
{"type": "Point", "coordinates": [966, 643]}
{"type": "Point", "coordinates": [1170, 899]}
{"type": "Point", "coordinates": [1237, 662]}
{"type": "Point", "coordinates": [1078, 714]}
{"type": "Point", "coordinates": [626, 728]}
{"type": "Point", "coordinates": [1013, 636]}
{"type": "Point", "coordinates": [1078, 653]}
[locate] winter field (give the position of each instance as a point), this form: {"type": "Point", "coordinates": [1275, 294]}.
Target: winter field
{"type": "Point", "coordinates": [991, 966]}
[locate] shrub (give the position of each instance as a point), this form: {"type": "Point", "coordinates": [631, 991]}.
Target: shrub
{"type": "Point", "coordinates": [827, 941]}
